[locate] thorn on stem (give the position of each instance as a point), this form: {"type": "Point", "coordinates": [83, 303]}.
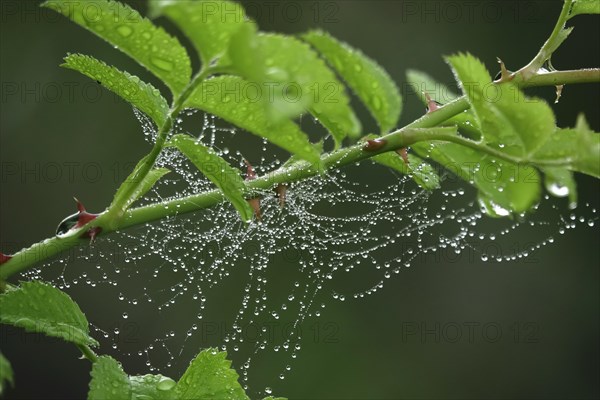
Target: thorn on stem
{"type": "Point", "coordinates": [255, 204]}
{"type": "Point", "coordinates": [77, 220]}
{"type": "Point", "coordinates": [403, 152]}
{"type": "Point", "coordinates": [559, 90]}
{"type": "Point", "coordinates": [374, 145]}
{"type": "Point", "coordinates": [281, 190]}
{"type": "Point", "coordinates": [83, 216]}
{"type": "Point", "coordinates": [432, 105]}
{"type": "Point", "coordinates": [91, 234]}
{"type": "Point", "coordinates": [504, 75]}
{"type": "Point", "coordinates": [250, 173]}
{"type": "Point", "coordinates": [4, 258]}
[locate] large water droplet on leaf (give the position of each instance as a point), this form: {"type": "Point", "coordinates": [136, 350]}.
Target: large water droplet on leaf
{"type": "Point", "coordinates": [124, 30]}
{"type": "Point", "coordinates": [162, 64]}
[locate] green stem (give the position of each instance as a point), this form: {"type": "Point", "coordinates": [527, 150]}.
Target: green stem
{"type": "Point", "coordinates": [555, 78]}
{"type": "Point", "coordinates": [558, 35]}
{"type": "Point", "coordinates": [88, 353]}
{"type": "Point", "coordinates": [406, 136]}
{"type": "Point", "coordinates": [118, 208]}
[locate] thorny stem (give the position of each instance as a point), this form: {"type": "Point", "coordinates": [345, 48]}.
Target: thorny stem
{"type": "Point", "coordinates": [118, 208]}
{"type": "Point", "coordinates": [528, 76]}
{"type": "Point", "coordinates": [410, 134]}
{"type": "Point", "coordinates": [558, 35]}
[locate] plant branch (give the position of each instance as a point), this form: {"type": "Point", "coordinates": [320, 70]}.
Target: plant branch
{"type": "Point", "coordinates": [118, 208]}
{"type": "Point", "coordinates": [557, 37]}
{"type": "Point", "coordinates": [88, 353]}
{"type": "Point", "coordinates": [555, 78]}
{"type": "Point", "coordinates": [404, 137]}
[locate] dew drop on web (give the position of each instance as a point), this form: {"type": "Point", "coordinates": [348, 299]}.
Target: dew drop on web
{"type": "Point", "coordinates": [206, 280]}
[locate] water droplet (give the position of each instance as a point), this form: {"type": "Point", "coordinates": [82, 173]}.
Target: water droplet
{"type": "Point", "coordinates": [376, 102]}
{"type": "Point", "coordinates": [166, 384]}
{"type": "Point", "coordinates": [162, 64]}
{"type": "Point", "coordinates": [124, 30]}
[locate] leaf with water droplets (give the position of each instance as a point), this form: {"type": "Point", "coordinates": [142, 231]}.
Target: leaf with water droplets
{"type": "Point", "coordinates": [560, 182]}
{"type": "Point", "coordinates": [139, 94]}
{"type": "Point", "coordinates": [577, 149]}
{"type": "Point", "coordinates": [40, 307]}
{"type": "Point", "coordinates": [152, 387]}
{"type": "Point", "coordinates": [138, 37]}
{"type": "Point", "coordinates": [510, 122]}
{"type": "Point", "coordinates": [216, 169]}
{"type": "Point", "coordinates": [108, 380]}
{"type": "Point", "coordinates": [208, 377]}
{"type": "Point", "coordinates": [234, 99]}
{"type": "Point", "coordinates": [420, 171]}
{"type": "Point", "coordinates": [511, 187]}
{"type": "Point", "coordinates": [367, 79]}
{"type": "Point", "coordinates": [292, 78]}
{"type": "Point", "coordinates": [124, 197]}
{"type": "Point", "coordinates": [6, 373]}
{"type": "Point", "coordinates": [422, 83]}
{"type": "Point", "coordinates": [585, 7]}
{"type": "Point", "coordinates": [209, 24]}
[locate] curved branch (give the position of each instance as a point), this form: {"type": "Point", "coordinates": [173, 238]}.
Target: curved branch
{"type": "Point", "coordinates": [404, 137]}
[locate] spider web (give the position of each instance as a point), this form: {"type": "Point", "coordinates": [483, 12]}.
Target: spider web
{"type": "Point", "coordinates": [206, 279]}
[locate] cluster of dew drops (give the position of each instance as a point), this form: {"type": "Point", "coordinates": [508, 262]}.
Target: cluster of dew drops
{"type": "Point", "coordinates": [330, 226]}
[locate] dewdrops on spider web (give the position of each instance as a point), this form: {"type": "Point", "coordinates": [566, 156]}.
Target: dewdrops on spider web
{"type": "Point", "coordinates": [206, 279]}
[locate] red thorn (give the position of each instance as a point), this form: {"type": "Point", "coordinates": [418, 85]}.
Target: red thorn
{"type": "Point", "coordinates": [374, 145]}
{"type": "Point", "coordinates": [281, 190]}
{"type": "Point", "coordinates": [432, 105]}
{"type": "Point", "coordinates": [250, 173]}
{"type": "Point", "coordinates": [255, 204]}
{"type": "Point", "coordinates": [84, 216]}
{"type": "Point", "coordinates": [403, 152]}
{"type": "Point", "coordinates": [4, 258]}
{"type": "Point", "coordinates": [91, 234]}
{"type": "Point", "coordinates": [80, 206]}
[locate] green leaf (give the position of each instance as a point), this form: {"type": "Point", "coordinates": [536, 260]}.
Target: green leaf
{"type": "Point", "coordinates": [238, 101]}
{"type": "Point", "coordinates": [244, 53]}
{"type": "Point", "coordinates": [141, 95]}
{"type": "Point", "coordinates": [39, 307]}
{"type": "Point", "coordinates": [509, 121]}
{"type": "Point", "coordinates": [274, 398]}
{"type": "Point", "coordinates": [209, 24]}
{"type": "Point", "coordinates": [109, 381]}
{"type": "Point", "coordinates": [577, 149]}
{"type": "Point", "coordinates": [560, 182]}
{"type": "Point", "coordinates": [585, 7]}
{"type": "Point", "coordinates": [6, 374]}
{"type": "Point", "coordinates": [420, 171]}
{"type": "Point", "coordinates": [422, 83]}
{"type": "Point", "coordinates": [140, 185]}
{"type": "Point", "coordinates": [293, 79]}
{"type": "Point", "coordinates": [511, 188]}
{"type": "Point", "coordinates": [138, 37]}
{"type": "Point", "coordinates": [209, 377]}
{"type": "Point", "coordinates": [152, 387]}
{"type": "Point", "coordinates": [216, 169]}
{"type": "Point", "coordinates": [367, 79]}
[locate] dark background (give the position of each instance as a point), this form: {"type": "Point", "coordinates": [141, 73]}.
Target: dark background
{"type": "Point", "coordinates": [551, 299]}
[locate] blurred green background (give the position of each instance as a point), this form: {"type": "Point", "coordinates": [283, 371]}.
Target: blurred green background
{"type": "Point", "coordinates": [53, 119]}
